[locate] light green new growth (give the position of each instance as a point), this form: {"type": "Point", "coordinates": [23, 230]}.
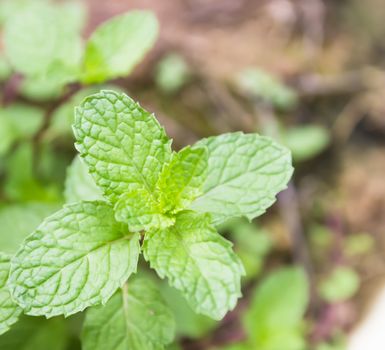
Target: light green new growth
{"type": "Point", "coordinates": [123, 145]}
{"type": "Point", "coordinates": [197, 261]}
{"type": "Point", "coordinates": [81, 255]}
{"type": "Point", "coordinates": [135, 318]}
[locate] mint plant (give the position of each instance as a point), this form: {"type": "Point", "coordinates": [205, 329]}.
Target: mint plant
{"type": "Point", "coordinates": [151, 200]}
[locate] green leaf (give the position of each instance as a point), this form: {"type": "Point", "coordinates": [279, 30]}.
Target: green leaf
{"type": "Point", "coordinates": [36, 333]}
{"type": "Point", "coordinates": [172, 72]}
{"type": "Point", "coordinates": [35, 51]}
{"type": "Point", "coordinates": [25, 119]}
{"type": "Point", "coordinates": [182, 179]}
{"type": "Point", "coordinates": [79, 184]}
{"type": "Point", "coordinates": [140, 211]}
{"type": "Point", "coordinates": [245, 173]}
{"type": "Point", "coordinates": [341, 284]}
{"type": "Point", "coordinates": [306, 142]}
{"type": "Point", "coordinates": [76, 258]}
{"type": "Point", "coordinates": [123, 145]}
{"type": "Point", "coordinates": [9, 310]}
{"type": "Point", "coordinates": [135, 318]}
{"type": "Point", "coordinates": [197, 261]}
{"type": "Point", "coordinates": [277, 308]}
{"type": "Point", "coordinates": [261, 84]}
{"type": "Point", "coordinates": [18, 121]}
{"type": "Point", "coordinates": [63, 117]}
{"type": "Point", "coordinates": [23, 185]}
{"type": "Point", "coordinates": [17, 221]}
{"type": "Point", "coordinates": [118, 45]}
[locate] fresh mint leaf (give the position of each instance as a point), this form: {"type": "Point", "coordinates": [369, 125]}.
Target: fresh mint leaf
{"type": "Point", "coordinates": [63, 117]}
{"type": "Point", "coordinates": [181, 180]}
{"type": "Point", "coordinates": [9, 310]}
{"type": "Point", "coordinates": [245, 173]}
{"type": "Point", "coordinates": [118, 45]}
{"type": "Point", "coordinates": [140, 211]}
{"type": "Point", "coordinates": [123, 145]}
{"type": "Point", "coordinates": [135, 318]}
{"type": "Point", "coordinates": [197, 261]}
{"type": "Point", "coordinates": [76, 258]}
{"type": "Point", "coordinates": [79, 184]}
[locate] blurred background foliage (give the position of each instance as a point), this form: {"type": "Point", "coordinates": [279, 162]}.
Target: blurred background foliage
{"type": "Point", "coordinates": [309, 73]}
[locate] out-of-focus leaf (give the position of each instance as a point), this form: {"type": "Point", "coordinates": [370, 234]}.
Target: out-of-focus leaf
{"type": "Point", "coordinates": [172, 73]}
{"type": "Point", "coordinates": [118, 45]}
{"type": "Point", "coordinates": [358, 244]}
{"type": "Point", "coordinates": [261, 84]}
{"type": "Point", "coordinates": [18, 221]}
{"type": "Point", "coordinates": [33, 50]}
{"type": "Point", "coordinates": [306, 142]}
{"type": "Point", "coordinates": [23, 185]}
{"type": "Point", "coordinates": [340, 285]}
{"type": "Point", "coordinates": [36, 333]}
{"type": "Point", "coordinates": [79, 184]}
{"type": "Point", "coordinates": [274, 319]}
{"type": "Point", "coordinates": [18, 121]}
{"type": "Point", "coordinates": [41, 88]}
{"type": "Point", "coordinates": [188, 323]}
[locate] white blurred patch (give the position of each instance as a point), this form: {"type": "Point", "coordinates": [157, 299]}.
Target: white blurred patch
{"type": "Point", "coordinates": [370, 334]}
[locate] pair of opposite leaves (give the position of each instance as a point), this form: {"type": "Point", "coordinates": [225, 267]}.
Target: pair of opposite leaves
{"type": "Point", "coordinates": [82, 254]}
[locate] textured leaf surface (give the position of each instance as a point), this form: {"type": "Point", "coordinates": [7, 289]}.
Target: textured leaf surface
{"type": "Point", "coordinates": [181, 180]}
{"type": "Point", "coordinates": [9, 310]}
{"type": "Point", "coordinates": [79, 184]}
{"type": "Point", "coordinates": [135, 318]}
{"type": "Point", "coordinates": [140, 211]}
{"type": "Point", "coordinates": [76, 258]}
{"type": "Point", "coordinates": [122, 144]}
{"type": "Point", "coordinates": [118, 45]}
{"type": "Point", "coordinates": [245, 173]}
{"type": "Point", "coordinates": [197, 261]}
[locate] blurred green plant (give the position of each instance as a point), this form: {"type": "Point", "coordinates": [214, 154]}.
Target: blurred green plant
{"type": "Point", "coordinates": [275, 318]}
{"type": "Point", "coordinates": [341, 284]}
{"type": "Point", "coordinates": [172, 73]}
{"type": "Point", "coordinates": [305, 142]}
{"type": "Point", "coordinates": [259, 83]}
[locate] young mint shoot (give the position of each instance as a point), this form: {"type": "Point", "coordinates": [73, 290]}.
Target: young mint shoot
{"type": "Point", "coordinates": [156, 201]}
